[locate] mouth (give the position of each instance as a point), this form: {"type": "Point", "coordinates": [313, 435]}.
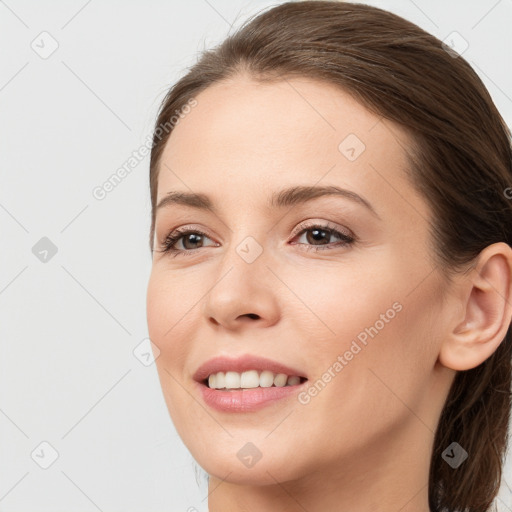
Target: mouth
{"type": "Point", "coordinates": [231, 381]}
{"type": "Point", "coordinates": [246, 383]}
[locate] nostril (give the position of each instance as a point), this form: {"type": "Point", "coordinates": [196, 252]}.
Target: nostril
{"type": "Point", "coordinates": [252, 315]}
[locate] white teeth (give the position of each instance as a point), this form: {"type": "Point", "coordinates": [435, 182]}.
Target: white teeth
{"type": "Point", "coordinates": [266, 379]}
{"type": "Point", "coordinates": [280, 380]}
{"type": "Point", "coordinates": [232, 380]}
{"type": "Point", "coordinates": [220, 380]}
{"type": "Point", "coordinates": [293, 381]}
{"type": "Point", "coordinates": [250, 379]}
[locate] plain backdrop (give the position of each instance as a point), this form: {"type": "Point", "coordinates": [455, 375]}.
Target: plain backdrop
{"type": "Point", "coordinates": [80, 84]}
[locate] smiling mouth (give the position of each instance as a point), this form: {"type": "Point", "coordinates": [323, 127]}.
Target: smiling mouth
{"type": "Point", "coordinates": [251, 379]}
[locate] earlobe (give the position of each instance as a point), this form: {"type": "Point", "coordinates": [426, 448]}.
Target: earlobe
{"type": "Point", "coordinates": [486, 311]}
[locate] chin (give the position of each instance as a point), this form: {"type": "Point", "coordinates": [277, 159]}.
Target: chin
{"type": "Point", "coordinates": [262, 473]}
{"type": "Point", "coordinates": [240, 462]}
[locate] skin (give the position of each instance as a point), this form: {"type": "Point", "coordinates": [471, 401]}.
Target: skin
{"type": "Point", "coordinates": [364, 441]}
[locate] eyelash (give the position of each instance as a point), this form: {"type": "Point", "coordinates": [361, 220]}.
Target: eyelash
{"type": "Point", "coordinates": [176, 235]}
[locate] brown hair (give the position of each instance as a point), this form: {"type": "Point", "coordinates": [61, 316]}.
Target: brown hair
{"type": "Point", "coordinates": [461, 162]}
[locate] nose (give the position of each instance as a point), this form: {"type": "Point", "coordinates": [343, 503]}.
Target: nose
{"type": "Point", "coordinates": [242, 294]}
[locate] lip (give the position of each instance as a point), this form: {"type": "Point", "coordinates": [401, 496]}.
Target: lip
{"type": "Point", "coordinates": [242, 364]}
{"type": "Point", "coordinates": [244, 400]}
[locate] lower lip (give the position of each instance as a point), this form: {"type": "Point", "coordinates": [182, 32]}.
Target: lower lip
{"type": "Point", "coordinates": [246, 400]}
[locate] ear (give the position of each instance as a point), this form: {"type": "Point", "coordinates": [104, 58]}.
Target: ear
{"type": "Point", "coordinates": [486, 310]}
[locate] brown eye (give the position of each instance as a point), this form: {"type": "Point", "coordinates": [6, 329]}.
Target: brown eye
{"type": "Point", "coordinates": [189, 239]}
{"type": "Point", "coordinates": [315, 236]}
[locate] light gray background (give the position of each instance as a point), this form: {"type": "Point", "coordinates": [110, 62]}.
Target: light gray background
{"type": "Point", "coordinates": [68, 327]}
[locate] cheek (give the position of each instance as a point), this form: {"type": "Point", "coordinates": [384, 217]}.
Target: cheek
{"type": "Point", "coordinates": [168, 323]}
{"type": "Point", "coordinates": [375, 337]}
{"type": "Point", "coordinates": [171, 304]}
{"type": "Point", "coordinates": [168, 327]}
{"type": "Point", "coordinates": [336, 303]}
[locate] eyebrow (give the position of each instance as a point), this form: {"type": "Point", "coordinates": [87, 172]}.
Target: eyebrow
{"type": "Point", "coordinates": [288, 197]}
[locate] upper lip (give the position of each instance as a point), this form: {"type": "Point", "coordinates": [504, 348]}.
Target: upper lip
{"type": "Point", "coordinates": [241, 364]}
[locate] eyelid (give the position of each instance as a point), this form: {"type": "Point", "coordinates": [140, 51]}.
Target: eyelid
{"type": "Point", "coordinates": [327, 224]}
{"type": "Point", "coordinates": [181, 230]}
{"type": "Point", "coordinates": [297, 230]}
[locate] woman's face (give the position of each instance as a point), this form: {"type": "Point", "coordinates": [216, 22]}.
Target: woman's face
{"type": "Point", "coordinates": [265, 273]}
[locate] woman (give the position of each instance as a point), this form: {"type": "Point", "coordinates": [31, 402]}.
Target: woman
{"type": "Point", "coordinates": [331, 282]}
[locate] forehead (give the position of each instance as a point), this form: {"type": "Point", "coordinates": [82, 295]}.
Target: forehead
{"type": "Point", "coordinates": [244, 137]}
{"type": "Point", "coordinates": [246, 117]}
